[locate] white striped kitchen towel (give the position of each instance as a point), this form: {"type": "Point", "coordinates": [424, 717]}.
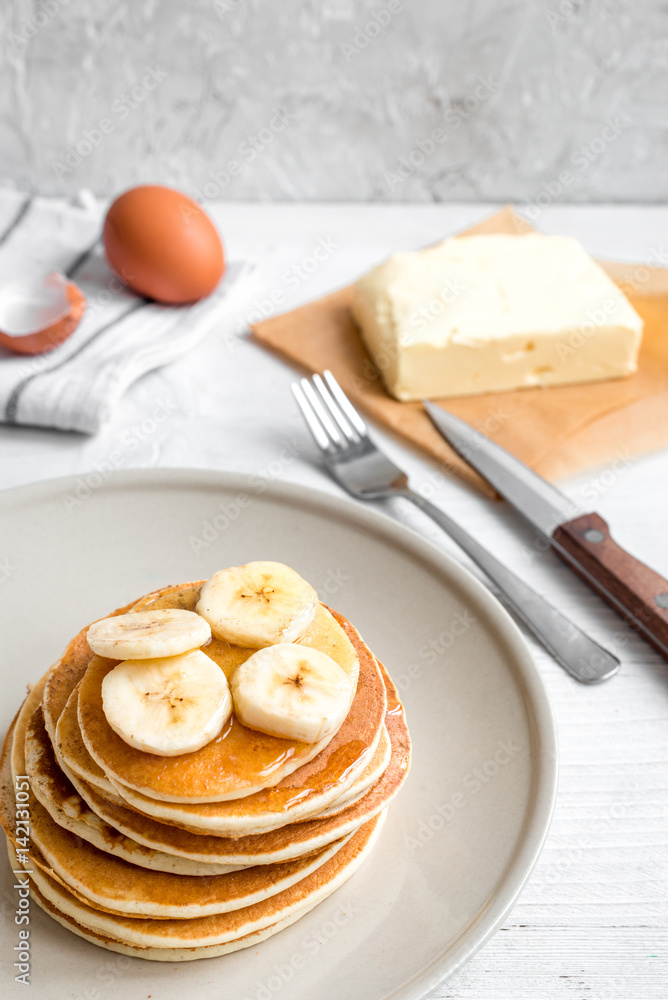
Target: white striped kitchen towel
{"type": "Point", "coordinates": [121, 336]}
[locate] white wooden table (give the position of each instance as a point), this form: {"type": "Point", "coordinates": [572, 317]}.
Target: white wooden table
{"type": "Point", "coordinates": [592, 922]}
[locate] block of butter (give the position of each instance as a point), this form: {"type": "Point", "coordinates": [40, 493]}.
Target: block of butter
{"type": "Point", "coordinates": [490, 313]}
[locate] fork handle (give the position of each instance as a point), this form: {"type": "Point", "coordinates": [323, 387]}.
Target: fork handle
{"type": "Point", "coordinates": [579, 654]}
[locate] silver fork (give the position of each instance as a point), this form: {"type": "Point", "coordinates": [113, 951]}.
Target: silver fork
{"type": "Point", "coordinates": [367, 473]}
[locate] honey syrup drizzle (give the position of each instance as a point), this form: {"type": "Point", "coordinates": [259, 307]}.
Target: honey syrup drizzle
{"type": "Point", "coordinates": [251, 754]}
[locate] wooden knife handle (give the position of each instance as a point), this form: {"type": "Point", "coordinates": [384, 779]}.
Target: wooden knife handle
{"type": "Point", "coordinates": [634, 590]}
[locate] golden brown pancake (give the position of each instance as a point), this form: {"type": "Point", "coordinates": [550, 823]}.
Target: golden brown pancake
{"type": "Point", "coordinates": [306, 792]}
{"type": "Point", "coordinates": [12, 762]}
{"type": "Point", "coordinates": [83, 812]}
{"type": "Point", "coordinates": [55, 792]}
{"type": "Point", "coordinates": [147, 876]}
{"type": "Point", "coordinates": [221, 819]}
{"type": "Point", "coordinates": [323, 633]}
{"type": "Point", "coordinates": [359, 735]}
{"type": "Point", "coordinates": [71, 752]}
{"type": "Point", "coordinates": [222, 927]}
{"type": "Point", "coordinates": [161, 954]}
{"type": "Point", "coordinates": [238, 762]}
{"type": "Point", "coordinates": [107, 882]}
{"type": "Point", "coordinates": [74, 760]}
{"type": "Point", "coordinates": [280, 844]}
{"type": "Point", "coordinates": [13, 750]}
{"type": "Point", "coordinates": [316, 786]}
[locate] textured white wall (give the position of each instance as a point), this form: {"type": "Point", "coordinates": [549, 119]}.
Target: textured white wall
{"type": "Point", "coordinates": [338, 99]}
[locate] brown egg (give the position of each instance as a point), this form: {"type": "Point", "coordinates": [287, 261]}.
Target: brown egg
{"type": "Point", "coordinates": [163, 245]}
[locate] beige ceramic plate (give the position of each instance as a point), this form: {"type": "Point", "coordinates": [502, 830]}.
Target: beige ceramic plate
{"type": "Point", "coordinates": [465, 831]}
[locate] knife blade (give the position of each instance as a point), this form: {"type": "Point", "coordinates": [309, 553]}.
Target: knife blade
{"type": "Point", "coordinates": [635, 591]}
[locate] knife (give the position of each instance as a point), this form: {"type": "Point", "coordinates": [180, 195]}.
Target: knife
{"type": "Point", "coordinates": [637, 593]}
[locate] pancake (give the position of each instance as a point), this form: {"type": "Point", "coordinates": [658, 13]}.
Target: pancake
{"type": "Point", "coordinates": [104, 881]}
{"type": "Point", "coordinates": [298, 796]}
{"type": "Point", "coordinates": [212, 818]}
{"type": "Point", "coordinates": [348, 755]}
{"type": "Point", "coordinates": [239, 761]}
{"type": "Point", "coordinates": [73, 758]}
{"type": "Point", "coordinates": [295, 840]}
{"type": "Point", "coordinates": [217, 928]}
{"type": "Point", "coordinates": [55, 793]}
{"type": "Point", "coordinates": [344, 801]}
{"type": "Point", "coordinates": [302, 794]}
{"type": "Point", "coordinates": [12, 763]}
{"type": "Point", "coordinates": [175, 859]}
{"type": "Point", "coordinates": [107, 882]}
{"type": "Point", "coordinates": [71, 752]}
{"type": "Point", "coordinates": [119, 831]}
{"type": "Point", "coordinates": [159, 954]}
{"type": "Point", "coordinates": [13, 754]}
{"type": "Point", "coordinates": [280, 844]}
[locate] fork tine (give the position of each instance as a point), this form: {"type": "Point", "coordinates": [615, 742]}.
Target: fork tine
{"type": "Point", "coordinates": [334, 409]}
{"type": "Point", "coordinates": [311, 419]}
{"type": "Point", "coordinates": [345, 404]}
{"type": "Point", "coordinates": [328, 426]}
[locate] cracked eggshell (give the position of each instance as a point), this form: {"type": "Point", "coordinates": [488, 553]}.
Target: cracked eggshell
{"type": "Point", "coordinates": [39, 313]}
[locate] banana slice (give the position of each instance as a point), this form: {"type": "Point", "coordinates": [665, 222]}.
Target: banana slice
{"type": "Point", "coordinates": [258, 604]}
{"type": "Point", "coordinates": [145, 635]}
{"type": "Point", "coordinates": [167, 706]}
{"type": "Point", "coordinates": [292, 691]}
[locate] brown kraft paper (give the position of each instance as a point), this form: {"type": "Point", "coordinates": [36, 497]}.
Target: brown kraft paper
{"type": "Point", "coordinates": [557, 431]}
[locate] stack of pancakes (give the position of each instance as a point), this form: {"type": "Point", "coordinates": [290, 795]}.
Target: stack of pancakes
{"type": "Point", "coordinates": [177, 858]}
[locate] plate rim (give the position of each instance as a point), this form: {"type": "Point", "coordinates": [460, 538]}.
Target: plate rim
{"type": "Point", "coordinates": [537, 703]}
